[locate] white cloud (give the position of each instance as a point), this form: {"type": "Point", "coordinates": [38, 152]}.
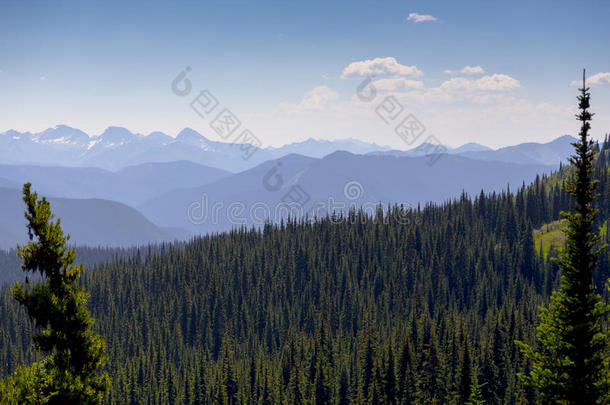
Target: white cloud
{"type": "Point", "coordinates": [397, 83]}
{"type": "Point", "coordinates": [419, 18]}
{"type": "Point", "coordinates": [595, 80]}
{"type": "Point", "coordinates": [314, 99]}
{"type": "Point", "coordinates": [495, 82]}
{"type": "Point", "coordinates": [318, 97]}
{"type": "Point", "coordinates": [600, 78]}
{"type": "Point", "coordinates": [379, 66]}
{"type": "Point", "coordinates": [466, 70]}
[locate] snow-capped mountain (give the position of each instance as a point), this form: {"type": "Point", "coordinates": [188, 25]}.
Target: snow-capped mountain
{"type": "Point", "coordinates": [117, 147]}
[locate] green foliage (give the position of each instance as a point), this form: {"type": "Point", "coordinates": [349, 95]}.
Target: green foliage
{"type": "Point", "coordinates": [57, 306]}
{"type": "Point", "coordinates": [476, 393]}
{"type": "Point", "coordinates": [29, 385]}
{"type": "Point", "coordinates": [569, 367]}
{"type": "Point", "coordinates": [549, 237]}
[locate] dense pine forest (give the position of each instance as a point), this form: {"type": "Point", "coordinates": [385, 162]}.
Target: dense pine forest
{"type": "Point", "coordinates": [405, 307]}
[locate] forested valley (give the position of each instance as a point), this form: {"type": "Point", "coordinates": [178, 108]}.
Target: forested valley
{"type": "Point", "coordinates": [409, 306]}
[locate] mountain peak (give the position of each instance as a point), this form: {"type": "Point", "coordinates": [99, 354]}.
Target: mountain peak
{"type": "Point", "coordinates": [62, 134]}
{"type": "Point", "coordinates": [158, 137]}
{"type": "Point", "coordinates": [189, 134]}
{"type": "Point", "coordinates": [193, 138]}
{"type": "Point", "coordinates": [340, 154]}
{"type": "Point", "coordinates": [471, 147]}
{"type": "Point", "coordinates": [564, 138]}
{"type": "Point", "coordinates": [117, 135]}
{"type": "Point", "coordinates": [62, 127]}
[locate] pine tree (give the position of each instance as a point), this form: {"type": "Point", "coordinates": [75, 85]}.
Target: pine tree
{"type": "Point", "coordinates": [344, 398]}
{"type": "Point", "coordinates": [390, 380]}
{"type": "Point", "coordinates": [476, 395]}
{"type": "Point", "coordinates": [295, 392]}
{"type": "Point", "coordinates": [229, 382]}
{"type": "Point", "coordinates": [321, 389]}
{"type": "Point", "coordinates": [570, 367]}
{"type": "Point", "coordinates": [201, 394]}
{"type": "Point", "coordinates": [266, 394]}
{"type": "Point", "coordinates": [57, 306]}
{"type": "Point", "coordinates": [367, 371]}
{"type": "Point", "coordinates": [465, 385]}
{"type": "Point", "coordinates": [406, 378]}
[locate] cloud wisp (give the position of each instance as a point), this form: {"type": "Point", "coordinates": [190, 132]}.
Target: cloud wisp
{"type": "Point", "coordinates": [420, 18]}
{"type": "Point", "coordinates": [397, 83]}
{"type": "Point", "coordinates": [315, 99]}
{"type": "Point", "coordinates": [379, 66]}
{"type": "Point", "coordinates": [495, 82]}
{"type": "Point", "coordinates": [595, 80]}
{"type": "Point", "coordinates": [466, 70]}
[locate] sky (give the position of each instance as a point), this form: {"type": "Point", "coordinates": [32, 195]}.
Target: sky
{"type": "Point", "coordinates": [496, 73]}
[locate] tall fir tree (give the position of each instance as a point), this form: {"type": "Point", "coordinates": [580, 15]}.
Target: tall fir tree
{"type": "Point", "coordinates": [476, 395]}
{"type": "Point", "coordinates": [465, 384]}
{"type": "Point", "coordinates": [57, 306]}
{"type": "Point", "coordinates": [569, 367]}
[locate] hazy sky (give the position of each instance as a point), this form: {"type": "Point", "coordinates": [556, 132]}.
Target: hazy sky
{"type": "Point", "coordinates": [496, 73]}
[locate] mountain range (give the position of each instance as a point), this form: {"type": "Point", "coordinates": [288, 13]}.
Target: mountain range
{"type": "Point", "coordinates": [121, 188]}
{"type": "Point", "coordinates": [335, 183]}
{"type": "Point", "coordinates": [131, 185]}
{"type": "Point", "coordinates": [117, 148]}
{"type": "Point", "coordinates": [551, 153]}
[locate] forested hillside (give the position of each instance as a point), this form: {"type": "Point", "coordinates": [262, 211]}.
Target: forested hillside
{"type": "Point", "coordinates": [10, 265]}
{"type": "Point", "coordinates": [414, 307]}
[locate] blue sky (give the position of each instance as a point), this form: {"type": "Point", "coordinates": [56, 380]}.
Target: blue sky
{"type": "Point", "coordinates": [280, 67]}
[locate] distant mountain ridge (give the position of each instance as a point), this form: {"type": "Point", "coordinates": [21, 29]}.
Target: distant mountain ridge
{"type": "Point", "coordinates": [558, 150]}
{"type": "Point", "coordinates": [334, 183]}
{"type": "Point", "coordinates": [550, 153]}
{"type": "Point", "coordinates": [91, 222]}
{"type": "Point", "coordinates": [117, 147]}
{"type": "Point", "coordinates": [130, 185]}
